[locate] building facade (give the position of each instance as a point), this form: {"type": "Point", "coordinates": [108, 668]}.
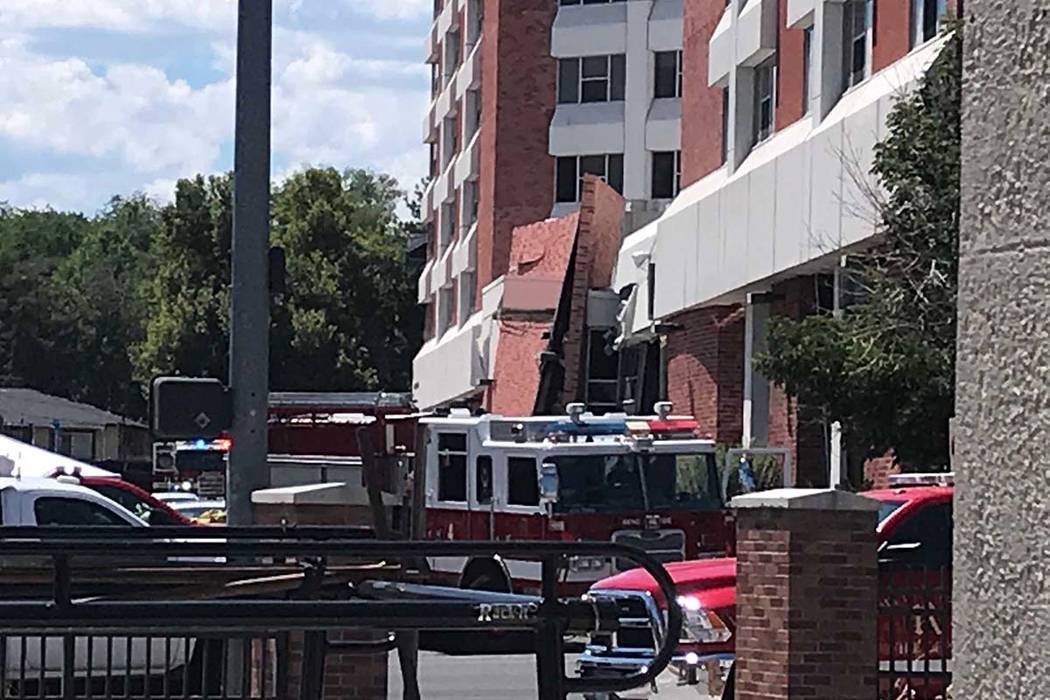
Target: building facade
{"type": "Point", "coordinates": [529, 97]}
{"type": "Point", "coordinates": [783, 103]}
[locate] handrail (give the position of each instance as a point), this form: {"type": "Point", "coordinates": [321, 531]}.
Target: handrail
{"type": "Point", "coordinates": [550, 617]}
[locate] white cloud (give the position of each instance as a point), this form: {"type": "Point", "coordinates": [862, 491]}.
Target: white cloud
{"type": "Point", "coordinates": [119, 15]}
{"type": "Point", "coordinates": [145, 129]}
{"type": "Point", "coordinates": [394, 9]}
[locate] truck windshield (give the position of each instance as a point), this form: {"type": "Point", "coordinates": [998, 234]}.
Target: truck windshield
{"type": "Point", "coordinates": [636, 482]}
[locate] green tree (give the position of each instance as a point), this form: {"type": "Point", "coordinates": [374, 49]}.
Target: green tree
{"type": "Point", "coordinates": [885, 367]}
{"type": "Point", "coordinates": [185, 293]}
{"type": "Point", "coordinates": [349, 319]}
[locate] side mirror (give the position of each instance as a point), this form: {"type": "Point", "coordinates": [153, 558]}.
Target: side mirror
{"type": "Point", "coordinates": [548, 481]}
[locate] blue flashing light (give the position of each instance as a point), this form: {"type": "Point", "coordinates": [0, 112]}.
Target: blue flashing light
{"type": "Point", "coordinates": [200, 444]}
{"type": "Point", "coordinates": [592, 426]}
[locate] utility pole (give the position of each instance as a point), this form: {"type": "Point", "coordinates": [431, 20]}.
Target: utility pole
{"type": "Point", "coordinates": [249, 291]}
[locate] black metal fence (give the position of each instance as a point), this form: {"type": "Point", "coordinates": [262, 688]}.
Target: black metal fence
{"type": "Point", "coordinates": [204, 613]}
{"type": "Point", "coordinates": [915, 627]}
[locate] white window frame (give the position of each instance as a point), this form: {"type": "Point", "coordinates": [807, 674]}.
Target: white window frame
{"type": "Point", "coordinates": [607, 78]}
{"type": "Point", "coordinates": [676, 184]}
{"type": "Point", "coordinates": [918, 20]}
{"type": "Point", "coordinates": [678, 75]}
{"type": "Point", "coordinates": [765, 76]}
{"type": "Point", "coordinates": [853, 36]}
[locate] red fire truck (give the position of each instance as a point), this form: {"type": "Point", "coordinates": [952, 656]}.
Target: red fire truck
{"type": "Point", "coordinates": [644, 481]}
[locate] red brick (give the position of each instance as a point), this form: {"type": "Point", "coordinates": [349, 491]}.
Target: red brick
{"type": "Point", "coordinates": [701, 105]}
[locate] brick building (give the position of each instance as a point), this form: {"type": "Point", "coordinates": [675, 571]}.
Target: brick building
{"type": "Point", "coordinates": [735, 131]}
{"type": "Point", "coordinates": [782, 104]}
{"type": "Point", "coordinates": [529, 97]}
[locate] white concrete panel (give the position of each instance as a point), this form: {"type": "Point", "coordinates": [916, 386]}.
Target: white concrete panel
{"type": "Point", "coordinates": [792, 207]}
{"type": "Point", "coordinates": [799, 12]}
{"type": "Point", "coordinates": [756, 32]}
{"type": "Point", "coordinates": [468, 163]}
{"type": "Point", "coordinates": [761, 221]}
{"type": "Point", "coordinates": [445, 104]}
{"type": "Point", "coordinates": [424, 291]}
{"type": "Point", "coordinates": [711, 247]}
{"type": "Point", "coordinates": [721, 57]}
{"type": "Point", "coordinates": [858, 211]}
{"type": "Point", "coordinates": [638, 91]}
{"type": "Point", "coordinates": [663, 128]}
{"type": "Point", "coordinates": [736, 215]}
{"type": "Point", "coordinates": [446, 19]}
{"type": "Point", "coordinates": [465, 252]}
{"type": "Point", "coordinates": [582, 129]}
{"type": "Point", "coordinates": [825, 150]}
{"type": "Point", "coordinates": [448, 367]}
{"type": "Point", "coordinates": [468, 77]}
{"type": "Point", "coordinates": [589, 30]}
{"type": "Point", "coordinates": [673, 268]}
{"type": "Point", "coordinates": [665, 26]}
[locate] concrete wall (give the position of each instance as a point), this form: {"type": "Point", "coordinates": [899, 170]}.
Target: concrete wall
{"type": "Point", "coordinates": [1002, 616]}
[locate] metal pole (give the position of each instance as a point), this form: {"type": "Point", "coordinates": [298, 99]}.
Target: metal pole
{"type": "Point", "coordinates": [249, 291]}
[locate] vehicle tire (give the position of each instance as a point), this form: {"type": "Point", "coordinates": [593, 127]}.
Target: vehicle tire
{"type": "Point", "coordinates": [729, 692]}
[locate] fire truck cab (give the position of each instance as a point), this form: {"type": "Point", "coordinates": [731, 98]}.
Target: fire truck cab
{"type": "Point", "coordinates": [644, 481]}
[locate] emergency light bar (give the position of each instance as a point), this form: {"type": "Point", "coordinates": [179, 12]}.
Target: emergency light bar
{"type": "Point", "coordinates": [930, 479]}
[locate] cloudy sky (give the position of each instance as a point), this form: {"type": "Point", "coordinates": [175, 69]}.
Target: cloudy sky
{"type": "Point", "coordinates": [104, 97]}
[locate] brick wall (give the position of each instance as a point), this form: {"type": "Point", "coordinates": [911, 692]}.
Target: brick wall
{"type": "Point", "coordinates": [892, 33]}
{"type": "Point", "coordinates": [791, 425]}
{"type": "Point", "coordinates": [597, 242]}
{"type": "Point", "coordinates": [518, 98]}
{"type": "Point", "coordinates": [807, 584]}
{"type": "Point", "coordinates": [346, 676]}
{"type": "Point", "coordinates": [705, 369]}
{"type": "Point", "coordinates": [701, 105]}
{"type": "Point", "coordinates": [790, 62]}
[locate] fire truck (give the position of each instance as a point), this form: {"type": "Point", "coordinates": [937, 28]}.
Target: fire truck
{"type": "Point", "coordinates": [643, 481]}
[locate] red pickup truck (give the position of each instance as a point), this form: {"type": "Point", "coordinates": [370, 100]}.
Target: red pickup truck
{"type": "Point", "coordinates": [915, 557]}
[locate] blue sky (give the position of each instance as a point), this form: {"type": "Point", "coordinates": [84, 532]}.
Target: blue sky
{"type": "Point", "coordinates": [106, 97]}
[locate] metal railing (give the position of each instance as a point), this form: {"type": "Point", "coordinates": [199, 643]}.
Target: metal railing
{"type": "Point", "coordinates": [915, 623]}
{"type": "Point", "coordinates": [302, 581]}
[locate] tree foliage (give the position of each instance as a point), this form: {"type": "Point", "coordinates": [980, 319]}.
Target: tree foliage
{"type": "Point", "coordinates": [885, 367]}
{"type": "Point", "coordinates": [92, 308]}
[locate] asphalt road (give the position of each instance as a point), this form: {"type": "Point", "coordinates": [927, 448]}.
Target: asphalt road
{"type": "Point", "coordinates": [470, 677]}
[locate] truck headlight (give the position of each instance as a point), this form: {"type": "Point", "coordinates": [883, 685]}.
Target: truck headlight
{"type": "Point", "coordinates": [701, 625]}
{"type": "Point", "coordinates": [581, 564]}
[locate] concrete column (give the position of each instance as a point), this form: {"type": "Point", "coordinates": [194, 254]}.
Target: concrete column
{"type": "Point", "coordinates": [1001, 600]}
{"type": "Point", "coordinates": [807, 589]}
{"type": "Point", "coordinates": [826, 76]}
{"type": "Point", "coordinates": [756, 387]}
{"type": "Point", "coordinates": [638, 90]}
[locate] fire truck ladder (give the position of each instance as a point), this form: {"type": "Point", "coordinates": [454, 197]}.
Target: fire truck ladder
{"type": "Point", "coordinates": [77, 593]}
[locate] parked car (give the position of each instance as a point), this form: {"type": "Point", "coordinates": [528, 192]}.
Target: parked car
{"type": "Point", "coordinates": [201, 509]}
{"type": "Point", "coordinates": [914, 535]}
{"type": "Point", "coordinates": [63, 502]}
{"type": "Point", "coordinates": [149, 509]}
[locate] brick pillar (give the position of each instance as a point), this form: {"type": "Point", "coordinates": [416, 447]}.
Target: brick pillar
{"type": "Point", "coordinates": [346, 676]}
{"type": "Point", "coordinates": [807, 582]}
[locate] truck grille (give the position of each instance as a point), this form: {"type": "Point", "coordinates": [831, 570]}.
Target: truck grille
{"type": "Point", "coordinates": [662, 545]}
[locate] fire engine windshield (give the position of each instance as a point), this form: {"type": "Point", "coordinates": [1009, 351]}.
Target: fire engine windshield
{"type": "Point", "coordinates": [634, 482]}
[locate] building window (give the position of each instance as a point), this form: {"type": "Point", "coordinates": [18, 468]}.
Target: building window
{"type": "Point", "coordinates": [446, 310]}
{"type": "Point", "coordinates": [591, 79]}
{"type": "Point", "coordinates": [725, 125]}
{"type": "Point", "coordinates": [445, 227]}
{"type": "Point", "coordinates": [807, 65]}
{"type": "Point", "coordinates": [523, 484]}
{"type": "Point", "coordinates": [926, 16]}
{"type": "Point", "coordinates": [857, 41]}
{"type": "Point", "coordinates": [452, 467]}
{"type": "Point", "coordinates": [765, 97]}
{"type": "Point", "coordinates": [483, 479]}
{"type": "Point", "coordinates": [467, 292]}
{"type": "Point", "coordinates": [668, 74]}
{"type": "Point", "coordinates": [571, 169]}
{"type": "Point", "coordinates": [453, 54]}
{"type": "Point", "coordinates": [667, 174]}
